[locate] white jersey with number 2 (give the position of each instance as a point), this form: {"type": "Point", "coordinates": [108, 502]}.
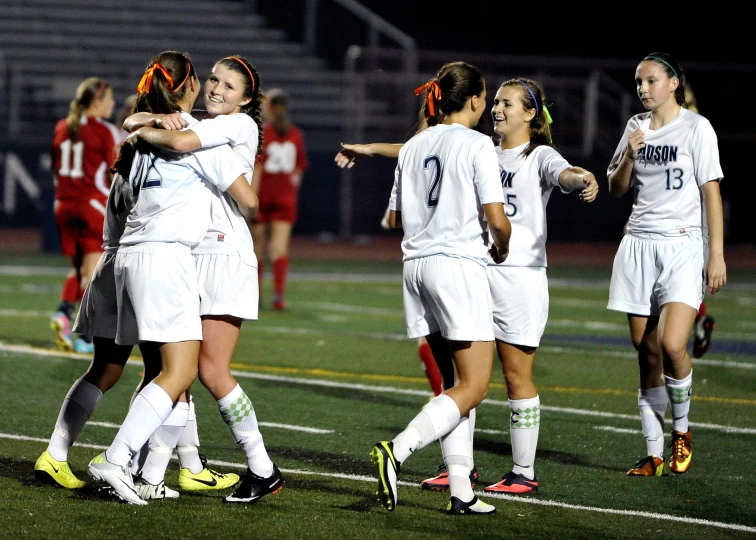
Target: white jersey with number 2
{"type": "Point", "coordinates": [444, 175]}
{"type": "Point", "coordinates": [172, 203]}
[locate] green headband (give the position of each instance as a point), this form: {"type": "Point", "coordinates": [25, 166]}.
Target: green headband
{"type": "Point", "coordinates": [548, 115]}
{"type": "Point", "coordinates": [663, 62]}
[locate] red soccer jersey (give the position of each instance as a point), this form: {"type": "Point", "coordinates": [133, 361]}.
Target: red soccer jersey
{"type": "Point", "coordinates": [81, 166]}
{"type": "Point", "coordinates": [281, 156]}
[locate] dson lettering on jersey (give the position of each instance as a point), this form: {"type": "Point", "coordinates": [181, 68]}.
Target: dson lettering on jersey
{"type": "Point", "coordinates": [657, 155]}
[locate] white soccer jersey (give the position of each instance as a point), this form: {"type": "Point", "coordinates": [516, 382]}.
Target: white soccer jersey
{"type": "Point", "coordinates": [228, 232]}
{"type": "Point", "coordinates": [667, 175]}
{"type": "Point", "coordinates": [120, 202]}
{"type": "Point", "coordinates": [444, 176]}
{"type": "Point", "coordinates": [172, 203]}
{"type": "Point", "coordinates": [527, 183]}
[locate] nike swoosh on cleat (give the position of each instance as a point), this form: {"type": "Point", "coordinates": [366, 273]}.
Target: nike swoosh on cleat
{"type": "Point", "coordinates": [210, 483]}
{"type": "Point", "coordinates": [53, 466]}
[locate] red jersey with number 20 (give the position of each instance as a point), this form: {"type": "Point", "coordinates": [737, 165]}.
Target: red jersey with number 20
{"type": "Point", "coordinates": [81, 166]}
{"type": "Point", "coordinates": [281, 156]}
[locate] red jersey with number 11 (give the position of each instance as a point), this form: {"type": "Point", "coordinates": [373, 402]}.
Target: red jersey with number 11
{"type": "Point", "coordinates": [81, 166]}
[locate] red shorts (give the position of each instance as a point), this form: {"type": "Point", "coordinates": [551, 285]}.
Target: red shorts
{"type": "Point", "coordinates": [276, 207]}
{"type": "Point", "coordinates": [80, 225]}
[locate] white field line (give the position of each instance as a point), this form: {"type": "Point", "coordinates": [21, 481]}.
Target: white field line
{"type": "Point", "coordinates": [265, 424]}
{"type": "Point", "coordinates": [25, 349]}
{"type": "Point", "coordinates": [510, 498]}
{"type": "Point", "coordinates": [618, 430]}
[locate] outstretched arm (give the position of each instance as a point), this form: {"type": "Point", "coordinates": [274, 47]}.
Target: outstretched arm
{"type": "Point", "coordinates": [351, 152]}
{"type": "Point", "coordinates": [581, 179]}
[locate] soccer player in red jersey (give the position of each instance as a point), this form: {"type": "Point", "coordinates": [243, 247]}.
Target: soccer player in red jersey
{"type": "Point", "coordinates": [83, 151]}
{"type": "Point", "coordinates": [277, 185]}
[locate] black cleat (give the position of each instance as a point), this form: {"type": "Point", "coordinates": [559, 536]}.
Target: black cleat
{"type": "Point", "coordinates": [474, 507]}
{"type": "Point", "coordinates": [253, 487]}
{"type": "Point", "coordinates": [703, 329]}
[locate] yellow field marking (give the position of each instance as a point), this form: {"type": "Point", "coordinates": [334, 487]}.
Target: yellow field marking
{"type": "Point", "coordinates": [134, 359]}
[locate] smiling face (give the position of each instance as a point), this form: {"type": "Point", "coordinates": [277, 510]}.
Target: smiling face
{"type": "Point", "coordinates": [224, 91]}
{"type": "Point", "coordinates": [655, 88]}
{"type": "Point", "coordinates": [511, 119]}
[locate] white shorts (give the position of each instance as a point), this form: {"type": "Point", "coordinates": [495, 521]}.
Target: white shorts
{"type": "Point", "coordinates": [98, 310]}
{"type": "Point", "coordinates": [520, 297]}
{"type": "Point", "coordinates": [651, 270]}
{"type": "Point", "coordinates": [158, 298]}
{"type": "Point", "coordinates": [227, 286]}
{"type": "Point", "coordinates": [448, 295]}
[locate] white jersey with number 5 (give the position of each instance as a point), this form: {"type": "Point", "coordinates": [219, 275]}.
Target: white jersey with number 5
{"type": "Point", "coordinates": [444, 176]}
{"type": "Point", "coordinates": [678, 159]}
{"type": "Point", "coordinates": [527, 182]}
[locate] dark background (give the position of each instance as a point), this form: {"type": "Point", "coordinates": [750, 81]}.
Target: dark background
{"type": "Point", "coordinates": [714, 49]}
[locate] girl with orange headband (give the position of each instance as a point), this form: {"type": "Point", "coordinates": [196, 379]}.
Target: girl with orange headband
{"type": "Point", "coordinates": [154, 269]}
{"type": "Point", "coordinates": [445, 180]}
{"type": "Point", "coordinates": [225, 256]}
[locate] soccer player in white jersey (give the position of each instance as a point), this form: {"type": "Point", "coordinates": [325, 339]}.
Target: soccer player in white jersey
{"type": "Point", "coordinates": [155, 273]}
{"type": "Point", "coordinates": [227, 268]}
{"type": "Point", "coordinates": [97, 317]}
{"type": "Point", "coordinates": [446, 187]}
{"type": "Point", "coordinates": [669, 157]}
{"type": "Point", "coordinates": [530, 168]}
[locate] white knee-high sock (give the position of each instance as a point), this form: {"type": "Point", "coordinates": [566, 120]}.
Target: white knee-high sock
{"type": "Point", "coordinates": [162, 443]}
{"type": "Point", "coordinates": [239, 414]}
{"type": "Point", "coordinates": [680, 392]}
{"type": "Point", "coordinates": [138, 458]}
{"type": "Point", "coordinates": [435, 420]}
{"type": "Point", "coordinates": [148, 411]}
{"type": "Point", "coordinates": [457, 448]}
{"type": "Point", "coordinates": [188, 443]}
{"type": "Point", "coordinates": [77, 407]}
{"type": "Point", "coordinates": [524, 425]}
{"type": "Point", "coordinates": [652, 404]}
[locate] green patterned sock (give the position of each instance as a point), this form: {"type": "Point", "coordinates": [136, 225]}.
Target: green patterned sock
{"type": "Point", "coordinates": [680, 393]}
{"type": "Point", "coordinates": [524, 425]}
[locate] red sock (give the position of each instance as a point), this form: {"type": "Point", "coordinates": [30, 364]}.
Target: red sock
{"type": "Point", "coordinates": [280, 271]}
{"type": "Point", "coordinates": [701, 311]}
{"type": "Point", "coordinates": [70, 291]}
{"type": "Point", "coordinates": [431, 369]}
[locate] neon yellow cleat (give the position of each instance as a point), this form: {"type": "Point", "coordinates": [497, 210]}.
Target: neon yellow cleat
{"type": "Point", "coordinates": [58, 473]}
{"type": "Point", "coordinates": [206, 479]}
